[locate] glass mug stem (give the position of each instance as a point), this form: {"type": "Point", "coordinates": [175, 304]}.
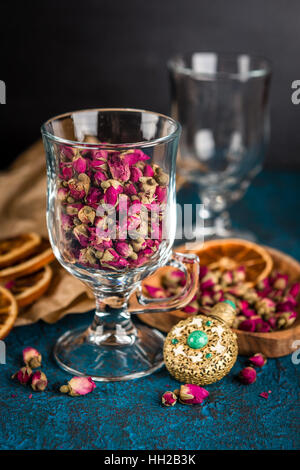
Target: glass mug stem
{"type": "Point", "coordinates": [112, 325]}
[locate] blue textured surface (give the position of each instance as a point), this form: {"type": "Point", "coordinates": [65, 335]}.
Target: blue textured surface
{"type": "Point", "coordinates": [129, 415]}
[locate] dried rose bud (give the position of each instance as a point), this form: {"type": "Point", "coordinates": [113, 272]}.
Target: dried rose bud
{"type": "Point", "coordinates": [99, 176]}
{"type": "Point", "coordinates": [135, 174]}
{"type": "Point", "coordinates": [111, 196]}
{"type": "Point", "coordinates": [86, 215]}
{"type": "Point", "coordinates": [280, 281]}
{"type": "Point", "coordinates": [203, 271]}
{"type": "Point", "coordinates": [286, 319]}
{"type": "Point", "coordinates": [272, 322]}
{"type": "Point", "coordinates": [191, 308]}
{"type": "Point", "coordinates": [67, 172]}
{"type": "Point", "coordinates": [286, 305]}
{"type": "Point", "coordinates": [294, 290]}
{"type": "Point", "coordinates": [239, 274]}
{"type": "Point", "coordinates": [265, 305]}
{"type": "Point", "coordinates": [227, 277]}
{"type": "Point", "coordinates": [238, 320]}
{"type": "Point", "coordinates": [23, 375]}
{"type": "Point", "coordinates": [81, 234]}
{"type": "Point", "coordinates": [206, 298]}
{"type": "Point", "coordinates": [169, 399]}
{"type": "Point", "coordinates": [155, 292]}
{"type": "Point", "coordinates": [161, 177]}
{"type": "Point", "coordinates": [124, 249]}
{"type": "Point", "coordinates": [132, 157]}
{"type": "Point", "coordinates": [39, 381]}
{"type": "Point", "coordinates": [79, 165]}
{"type": "Point", "coordinates": [78, 386]}
{"type": "Point", "coordinates": [67, 151]}
{"type": "Point", "coordinates": [190, 394]}
{"type": "Point", "coordinates": [247, 375]}
{"type": "Point", "coordinates": [160, 194]}
{"type": "Point", "coordinates": [148, 171]}
{"type": "Point", "coordinates": [62, 194]}
{"type": "Point", "coordinates": [247, 325]}
{"type": "Point", "coordinates": [263, 327]}
{"type": "Point", "coordinates": [32, 357]}
{"type": "Point", "coordinates": [119, 168]}
{"type": "Point", "coordinates": [264, 283]}
{"type": "Point", "coordinates": [264, 395]}
{"type": "Point", "coordinates": [258, 360]}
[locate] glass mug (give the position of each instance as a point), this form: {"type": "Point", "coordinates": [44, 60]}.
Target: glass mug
{"type": "Point", "coordinates": [222, 103]}
{"type": "Point", "coordinates": [111, 216]}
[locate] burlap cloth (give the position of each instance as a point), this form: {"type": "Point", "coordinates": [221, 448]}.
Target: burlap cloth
{"type": "Point", "coordinates": [23, 209]}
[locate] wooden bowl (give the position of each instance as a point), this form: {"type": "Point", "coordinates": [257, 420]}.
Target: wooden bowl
{"type": "Point", "coordinates": [273, 344]}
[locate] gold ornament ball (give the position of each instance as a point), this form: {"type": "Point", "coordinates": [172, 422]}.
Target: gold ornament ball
{"type": "Point", "coordinates": [208, 363]}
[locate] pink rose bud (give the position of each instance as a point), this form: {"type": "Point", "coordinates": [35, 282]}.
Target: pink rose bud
{"type": "Point", "coordinates": [39, 381]}
{"type": "Point", "coordinates": [263, 327]}
{"type": "Point", "coordinates": [294, 290]}
{"type": "Point", "coordinates": [264, 283]}
{"type": "Point", "coordinates": [190, 394]}
{"type": "Point", "coordinates": [161, 194]}
{"type": "Point", "coordinates": [264, 395]}
{"type": "Point", "coordinates": [203, 271]}
{"type": "Point", "coordinates": [67, 173]}
{"type": "Point", "coordinates": [79, 165]}
{"type": "Point", "coordinates": [32, 357]}
{"type": "Point", "coordinates": [248, 312]}
{"type": "Point", "coordinates": [62, 194]}
{"type": "Point", "coordinates": [119, 168]}
{"type": "Point", "coordinates": [281, 281]}
{"type": "Point", "coordinates": [135, 156]}
{"type": "Point", "coordinates": [66, 222]}
{"type": "Point", "coordinates": [247, 325]}
{"type": "Point", "coordinates": [148, 171]}
{"type": "Point", "coordinates": [247, 375]}
{"type": "Point", "coordinates": [190, 309]}
{"type": "Point", "coordinates": [94, 196]}
{"type": "Point", "coordinates": [286, 319]}
{"type": "Point", "coordinates": [111, 196]}
{"type": "Point", "coordinates": [272, 322]}
{"type": "Point", "coordinates": [206, 298]}
{"type": "Point", "coordinates": [258, 360]}
{"type": "Point", "coordinates": [98, 164]}
{"type": "Point", "coordinates": [227, 277]}
{"type": "Point", "coordinates": [155, 292]}
{"type": "Point", "coordinates": [240, 274]}
{"type": "Point", "coordinates": [81, 234]}
{"type": "Point", "coordinates": [23, 375]}
{"type": "Point", "coordinates": [135, 174]}
{"type": "Point", "coordinates": [67, 151]}
{"type": "Point", "coordinates": [169, 399]}
{"type": "Point", "coordinates": [130, 189]}
{"type": "Point", "coordinates": [285, 306]}
{"type": "Point", "coordinates": [124, 249]}
{"type": "Point", "coordinates": [78, 386]}
{"type": "Point", "coordinates": [99, 154]}
{"type": "Point", "coordinates": [99, 176]}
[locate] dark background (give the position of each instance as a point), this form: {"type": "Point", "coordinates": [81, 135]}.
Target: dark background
{"type": "Point", "coordinates": [58, 56]}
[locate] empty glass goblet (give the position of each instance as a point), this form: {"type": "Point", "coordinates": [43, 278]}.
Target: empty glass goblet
{"type": "Point", "coordinates": [222, 103]}
{"type": "Point", "coordinates": [111, 217]}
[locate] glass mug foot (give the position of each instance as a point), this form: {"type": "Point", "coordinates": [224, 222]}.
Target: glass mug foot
{"type": "Point", "coordinates": [81, 352]}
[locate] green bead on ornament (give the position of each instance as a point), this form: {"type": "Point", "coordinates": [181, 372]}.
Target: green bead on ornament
{"type": "Point", "coordinates": [174, 341]}
{"type": "Point", "coordinates": [229, 302]}
{"type": "Point", "coordinates": [197, 339]}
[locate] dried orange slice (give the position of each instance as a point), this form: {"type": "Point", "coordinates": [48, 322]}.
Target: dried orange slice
{"type": "Point", "coordinates": [8, 311]}
{"type": "Point", "coordinates": [43, 255]}
{"type": "Point", "coordinates": [231, 253]}
{"type": "Point", "coordinates": [17, 248]}
{"type": "Point", "coordinates": [27, 289]}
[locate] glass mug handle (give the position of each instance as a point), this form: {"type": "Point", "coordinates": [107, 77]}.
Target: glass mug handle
{"type": "Point", "coordinates": [188, 263]}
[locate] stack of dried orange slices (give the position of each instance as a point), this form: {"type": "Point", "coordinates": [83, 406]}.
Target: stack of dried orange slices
{"type": "Point", "coordinates": [24, 275]}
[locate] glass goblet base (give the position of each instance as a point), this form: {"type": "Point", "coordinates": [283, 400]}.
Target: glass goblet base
{"type": "Point", "coordinates": [82, 352]}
